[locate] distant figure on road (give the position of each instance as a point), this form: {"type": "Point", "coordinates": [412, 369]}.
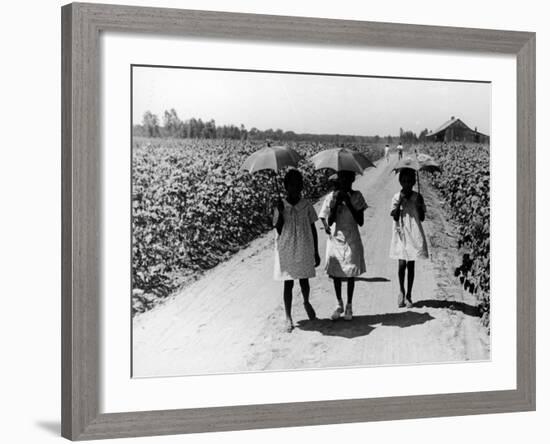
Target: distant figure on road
{"type": "Point", "coordinates": [399, 151]}
{"type": "Point", "coordinates": [345, 259]}
{"type": "Point", "coordinates": [296, 252]}
{"type": "Point", "coordinates": [408, 241]}
{"type": "Point", "coordinates": [387, 153]}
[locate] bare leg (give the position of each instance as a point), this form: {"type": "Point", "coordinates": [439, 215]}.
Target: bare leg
{"type": "Point", "coordinates": [401, 274]}
{"type": "Point", "coordinates": [351, 288]}
{"type": "Point", "coordinates": [287, 294]}
{"type": "Point", "coordinates": [304, 285]}
{"type": "Point", "coordinates": [410, 279]}
{"type": "Point", "coordinates": [348, 315]}
{"type": "Point", "coordinates": [402, 265]}
{"type": "Point", "coordinates": [338, 290]}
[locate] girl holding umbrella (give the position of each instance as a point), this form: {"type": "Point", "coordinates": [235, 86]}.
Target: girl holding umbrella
{"type": "Point", "coordinates": [408, 242]}
{"type": "Point", "coordinates": [296, 252]}
{"type": "Point", "coordinates": [408, 211]}
{"type": "Point", "coordinates": [344, 209]}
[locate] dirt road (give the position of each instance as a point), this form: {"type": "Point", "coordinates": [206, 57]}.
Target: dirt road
{"type": "Point", "coordinates": [231, 320]}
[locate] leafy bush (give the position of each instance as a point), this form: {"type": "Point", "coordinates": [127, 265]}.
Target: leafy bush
{"type": "Point", "coordinates": [465, 186]}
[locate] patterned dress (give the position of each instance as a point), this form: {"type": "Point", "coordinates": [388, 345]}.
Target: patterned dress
{"type": "Point", "coordinates": [294, 249]}
{"type": "Point", "coordinates": [345, 254]}
{"type": "Point", "coordinates": [408, 239]}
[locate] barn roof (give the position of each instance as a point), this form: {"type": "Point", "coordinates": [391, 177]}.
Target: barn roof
{"type": "Point", "coordinates": [447, 124]}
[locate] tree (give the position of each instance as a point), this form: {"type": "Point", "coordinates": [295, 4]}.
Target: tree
{"type": "Point", "coordinates": [253, 133]}
{"type": "Point", "coordinates": [172, 123]}
{"type": "Point", "coordinates": [408, 137]}
{"type": "Point", "coordinates": [210, 129]}
{"type": "Point", "coordinates": [269, 134]}
{"type": "Point", "coordinates": [244, 133]}
{"type": "Point", "coordinates": [192, 129]}
{"type": "Point", "coordinates": [151, 124]}
{"type": "Point", "coordinates": [220, 132]}
{"type": "Point", "coordinates": [199, 128]}
{"type": "Point", "coordinates": [289, 135]}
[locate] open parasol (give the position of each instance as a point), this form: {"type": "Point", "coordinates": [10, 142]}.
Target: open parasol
{"type": "Point", "coordinates": [423, 162]}
{"type": "Point", "coordinates": [341, 159]}
{"type": "Point", "coordinates": [273, 158]}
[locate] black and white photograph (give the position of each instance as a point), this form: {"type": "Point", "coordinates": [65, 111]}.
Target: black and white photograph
{"type": "Point", "coordinates": [291, 221]}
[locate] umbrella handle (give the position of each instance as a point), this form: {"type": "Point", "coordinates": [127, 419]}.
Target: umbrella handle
{"type": "Point", "coordinates": [418, 181]}
{"type": "Point", "coordinates": [277, 190]}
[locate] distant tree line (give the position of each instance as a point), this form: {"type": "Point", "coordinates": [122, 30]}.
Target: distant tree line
{"type": "Point", "coordinates": [411, 137]}
{"type": "Point", "coordinates": [172, 126]}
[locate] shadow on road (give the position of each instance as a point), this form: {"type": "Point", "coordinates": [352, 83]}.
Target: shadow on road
{"type": "Point", "coordinates": [467, 309]}
{"type": "Point", "coordinates": [363, 325]}
{"type": "Point", "coordinates": [372, 279]}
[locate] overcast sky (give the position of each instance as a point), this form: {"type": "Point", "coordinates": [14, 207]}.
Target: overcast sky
{"type": "Point", "coordinates": [310, 103]}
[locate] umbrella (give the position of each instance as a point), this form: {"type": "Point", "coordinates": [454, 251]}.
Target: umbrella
{"type": "Point", "coordinates": [341, 159]}
{"type": "Point", "coordinates": [407, 162]}
{"type": "Point", "coordinates": [431, 166]}
{"type": "Point", "coordinates": [273, 158]}
{"type": "Point", "coordinates": [421, 157]}
{"type": "Point", "coordinates": [423, 162]}
{"type": "Point", "coordinates": [428, 163]}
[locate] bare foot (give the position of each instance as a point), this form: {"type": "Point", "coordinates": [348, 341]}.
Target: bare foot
{"type": "Point", "coordinates": [401, 300]}
{"type": "Point", "coordinates": [289, 326]}
{"type": "Point", "coordinates": [337, 313]}
{"type": "Point", "coordinates": [348, 315]}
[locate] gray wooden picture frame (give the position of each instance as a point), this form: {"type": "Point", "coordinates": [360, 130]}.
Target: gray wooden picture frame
{"type": "Point", "coordinates": [81, 174]}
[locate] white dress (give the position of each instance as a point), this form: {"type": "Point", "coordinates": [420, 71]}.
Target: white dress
{"type": "Point", "coordinates": [345, 254]}
{"type": "Point", "coordinates": [294, 249]}
{"type": "Point", "coordinates": [408, 240]}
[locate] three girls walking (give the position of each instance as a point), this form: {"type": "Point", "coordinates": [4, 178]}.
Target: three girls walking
{"type": "Point", "coordinates": [342, 213]}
